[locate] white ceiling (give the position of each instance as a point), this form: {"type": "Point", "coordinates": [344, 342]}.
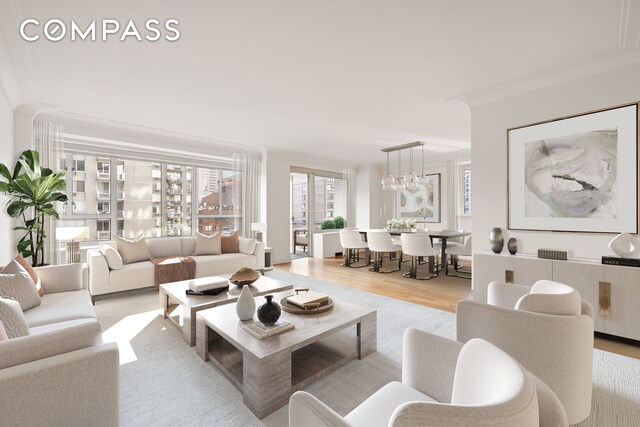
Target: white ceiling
{"type": "Point", "coordinates": [336, 79]}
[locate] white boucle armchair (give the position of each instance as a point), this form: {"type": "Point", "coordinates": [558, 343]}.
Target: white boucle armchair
{"type": "Point", "coordinates": [547, 328]}
{"type": "Point", "coordinates": [443, 384]}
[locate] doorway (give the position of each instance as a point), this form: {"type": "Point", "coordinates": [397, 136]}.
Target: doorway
{"type": "Point", "coordinates": [299, 213]}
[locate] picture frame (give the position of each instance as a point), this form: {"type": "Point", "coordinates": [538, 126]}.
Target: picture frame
{"type": "Point", "coordinates": [422, 204]}
{"type": "Point", "coordinates": [576, 173]}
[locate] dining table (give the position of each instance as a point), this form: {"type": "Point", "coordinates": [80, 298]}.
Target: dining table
{"type": "Point", "coordinates": [443, 235]}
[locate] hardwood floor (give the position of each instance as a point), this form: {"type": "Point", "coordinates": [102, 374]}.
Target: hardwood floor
{"type": "Point", "coordinates": [442, 293]}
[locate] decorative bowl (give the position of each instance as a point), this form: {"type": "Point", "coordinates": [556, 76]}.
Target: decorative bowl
{"type": "Point", "coordinates": [244, 276]}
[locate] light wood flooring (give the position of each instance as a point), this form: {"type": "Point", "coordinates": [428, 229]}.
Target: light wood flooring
{"type": "Point", "coordinates": [442, 293]}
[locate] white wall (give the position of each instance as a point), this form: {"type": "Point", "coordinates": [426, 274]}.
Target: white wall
{"type": "Point", "coordinates": [7, 247]}
{"type": "Point", "coordinates": [489, 123]}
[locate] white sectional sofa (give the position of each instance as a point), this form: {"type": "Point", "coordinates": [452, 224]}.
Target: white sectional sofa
{"type": "Point", "coordinates": [104, 280]}
{"type": "Point", "coordinates": [60, 374]}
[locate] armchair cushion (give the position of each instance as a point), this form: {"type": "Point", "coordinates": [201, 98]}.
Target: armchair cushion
{"type": "Point", "coordinates": [12, 318]}
{"type": "Point", "coordinates": [548, 297]}
{"type": "Point", "coordinates": [377, 410]}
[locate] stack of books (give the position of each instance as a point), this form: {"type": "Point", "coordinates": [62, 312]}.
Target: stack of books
{"type": "Point", "coordinates": [308, 300]}
{"type": "Point", "coordinates": [262, 331]}
{"type": "Point", "coordinates": [208, 285]}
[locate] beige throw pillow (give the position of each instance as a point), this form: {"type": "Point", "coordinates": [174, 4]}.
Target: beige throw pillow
{"type": "Point", "coordinates": [208, 245]}
{"type": "Point", "coordinates": [12, 318]}
{"type": "Point", "coordinates": [16, 283]}
{"type": "Point", "coordinates": [132, 250]}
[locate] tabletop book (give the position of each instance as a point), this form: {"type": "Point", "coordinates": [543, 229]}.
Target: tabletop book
{"type": "Point", "coordinates": [262, 331]}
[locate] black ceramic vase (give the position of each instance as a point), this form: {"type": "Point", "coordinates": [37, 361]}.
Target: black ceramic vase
{"type": "Point", "coordinates": [512, 245]}
{"type": "Point", "coordinates": [269, 312]}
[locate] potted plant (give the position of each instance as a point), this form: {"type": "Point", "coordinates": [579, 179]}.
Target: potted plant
{"type": "Point", "coordinates": [33, 191]}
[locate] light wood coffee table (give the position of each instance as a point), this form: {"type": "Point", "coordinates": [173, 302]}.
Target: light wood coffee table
{"type": "Point", "coordinates": [181, 308]}
{"type": "Point", "coordinates": [268, 371]}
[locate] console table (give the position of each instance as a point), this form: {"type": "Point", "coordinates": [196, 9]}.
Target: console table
{"type": "Point", "coordinates": [612, 290]}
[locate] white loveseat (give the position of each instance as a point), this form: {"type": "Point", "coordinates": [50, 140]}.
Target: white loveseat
{"type": "Point", "coordinates": [60, 374]}
{"type": "Point", "coordinates": [104, 280]}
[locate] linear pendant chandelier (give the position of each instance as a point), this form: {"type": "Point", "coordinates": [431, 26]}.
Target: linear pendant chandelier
{"type": "Point", "coordinates": [410, 181]}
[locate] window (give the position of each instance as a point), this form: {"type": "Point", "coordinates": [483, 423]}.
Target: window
{"type": "Point", "coordinates": [104, 207]}
{"type": "Point", "coordinates": [330, 198]}
{"type": "Point", "coordinates": [103, 189]}
{"type": "Point", "coordinates": [78, 207]}
{"type": "Point", "coordinates": [103, 229]}
{"type": "Point", "coordinates": [78, 165]}
{"type": "Point", "coordinates": [218, 193]}
{"type": "Point", "coordinates": [465, 189]}
{"type": "Point", "coordinates": [78, 187]}
{"type": "Point", "coordinates": [156, 199]}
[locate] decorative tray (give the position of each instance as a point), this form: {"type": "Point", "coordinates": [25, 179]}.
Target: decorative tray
{"type": "Point", "coordinates": [244, 276]}
{"type": "Point", "coordinates": [294, 309]}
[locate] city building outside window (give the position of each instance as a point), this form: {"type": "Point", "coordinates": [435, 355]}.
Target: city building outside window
{"type": "Point", "coordinates": [153, 199]}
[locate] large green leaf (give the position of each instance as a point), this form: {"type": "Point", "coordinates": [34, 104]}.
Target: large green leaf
{"type": "Point", "coordinates": [4, 187]}
{"type": "Point", "coordinates": [30, 161]}
{"type": "Point", "coordinates": [4, 171]}
{"type": "Point", "coordinates": [16, 208]}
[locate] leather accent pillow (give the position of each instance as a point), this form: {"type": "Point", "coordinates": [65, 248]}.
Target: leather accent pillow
{"type": "Point", "coordinates": [112, 256]}
{"type": "Point", "coordinates": [132, 250]}
{"type": "Point", "coordinates": [32, 273]}
{"type": "Point", "coordinates": [12, 318]}
{"type": "Point", "coordinates": [16, 283]}
{"type": "Point", "coordinates": [208, 245]}
{"type": "Point", "coordinates": [230, 244]}
{"type": "Point", "coordinates": [246, 245]}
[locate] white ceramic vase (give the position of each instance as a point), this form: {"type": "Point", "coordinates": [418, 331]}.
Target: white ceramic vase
{"type": "Point", "coordinates": [246, 305]}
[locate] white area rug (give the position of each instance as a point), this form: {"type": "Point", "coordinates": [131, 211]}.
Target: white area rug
{"type": "Point", "coordinates": [165, 383]}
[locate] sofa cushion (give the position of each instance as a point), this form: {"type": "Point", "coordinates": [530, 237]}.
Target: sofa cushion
{"type": "Point", "coordinates": [139, 275]}
{"type": "Point", "coordinates": [188, 245]}
{"type": "Point", "coordinates": [163, 247]}
{"type": "Point", "coordinates": [133, 250]}
{"type": "Point", "coordinates": [213, 265]}
{"type": "Point", "coordinates": [112, 256]}
{"type": "Point", "coordinates": [12, 318]}
{"type": "Point", "coordinates": [60, 307]}
{"type": "Point", "coordinates": [16, 283]}
{"type": "Point", "coordinates": [32, 273]}
{"type": "Point", "coordinates": [230, 243]}
{"type": "Point", "coordinates": [50, 340]}
{"type": "Point", "coordinates": [208, 245]}
{"type": "Point", "coordinates": [377, 409]}
{"type": "Point", "coordinates": [246, 245]}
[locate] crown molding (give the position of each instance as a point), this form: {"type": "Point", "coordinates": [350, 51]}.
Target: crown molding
{"type": "Point", "coordinates": [551, 77]}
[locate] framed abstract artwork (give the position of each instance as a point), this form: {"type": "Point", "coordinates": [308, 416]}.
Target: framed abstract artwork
{"type": "Point", "coordinates": [578, 173]}
{"type": "Point", "coordinates": [423, 203]}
